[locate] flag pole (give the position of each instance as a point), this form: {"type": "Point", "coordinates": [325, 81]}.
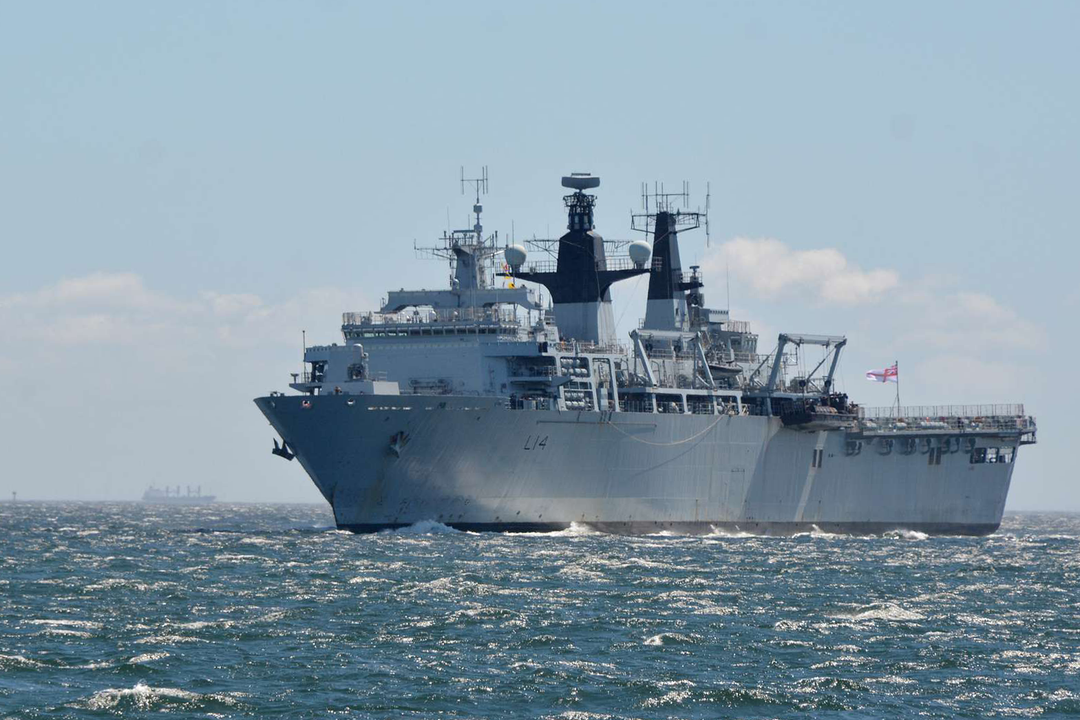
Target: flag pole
{"type": "Point", "coordinates": [896, 365]}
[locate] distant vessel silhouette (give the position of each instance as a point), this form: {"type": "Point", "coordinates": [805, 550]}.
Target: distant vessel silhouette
{"type": "Point", "coordinates": [175, 497]}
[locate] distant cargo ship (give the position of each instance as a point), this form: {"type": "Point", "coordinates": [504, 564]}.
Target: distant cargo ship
{"type": "Point", "coordinates": [175, 497]}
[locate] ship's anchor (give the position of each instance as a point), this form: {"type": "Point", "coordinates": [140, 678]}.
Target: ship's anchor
{"type": "Point", "coordinates": [397, 441]}
{"type": "Point", "coordinates": [283, 450]}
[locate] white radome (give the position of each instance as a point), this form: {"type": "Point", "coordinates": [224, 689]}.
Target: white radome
{"type": "Point", "coordinates": [640, 252]}
{"type": "Point", "coordinates": [515, 255]}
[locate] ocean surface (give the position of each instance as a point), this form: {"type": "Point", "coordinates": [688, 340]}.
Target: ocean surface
{"type": "Point", "coordinates": [111, 610]}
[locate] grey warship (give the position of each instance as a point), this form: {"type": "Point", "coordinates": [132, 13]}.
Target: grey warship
{"type": "Point", "coordinates": [488, 406]}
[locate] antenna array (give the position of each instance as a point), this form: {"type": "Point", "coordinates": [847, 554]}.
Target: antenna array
{"type": "Point", "coordinates": [677, 204]}
{"type": "Point", "coordinates": [480, 184]}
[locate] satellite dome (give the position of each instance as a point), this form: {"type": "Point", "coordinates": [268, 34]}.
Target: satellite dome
{"type": "Point", "coordinates": [515, 256]}
{"type": "Point", "coordinates": [640, 252]}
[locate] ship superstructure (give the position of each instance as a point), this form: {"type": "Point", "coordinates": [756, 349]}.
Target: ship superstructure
{"type": "Point", "coordinates": [489, 405]}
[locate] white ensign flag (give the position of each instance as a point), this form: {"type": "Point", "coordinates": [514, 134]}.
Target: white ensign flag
{"type": "Point", "coordinates": [889, 374]}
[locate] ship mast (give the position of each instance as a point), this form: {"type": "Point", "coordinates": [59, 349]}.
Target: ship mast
{"type": "Point", "coordinates": [468, 252]}
{"type": "Point", "coordinates": [670, 289]}
{"type": "Point", "coordinates": [472, 261]}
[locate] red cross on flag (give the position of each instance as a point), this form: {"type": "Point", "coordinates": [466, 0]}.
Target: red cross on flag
{"type": "Point", "coordinates": [889, 374]}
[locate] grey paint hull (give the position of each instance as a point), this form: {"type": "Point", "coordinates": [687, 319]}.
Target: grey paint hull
{"type": "Point", "coordinates": [390, 461]}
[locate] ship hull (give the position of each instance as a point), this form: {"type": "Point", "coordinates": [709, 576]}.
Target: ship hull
{"type": "Point", "coordinates": [471, 463]}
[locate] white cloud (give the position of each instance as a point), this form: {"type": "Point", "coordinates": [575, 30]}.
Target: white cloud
{"type": "Point", "coordinates": [960, 378]}
{"type": "Point", "coordinates": [119, 309]}
{"type": "Point", "coordinates": [773, 270]}
{"type": "Point", "coordinates": [232, 304]}
{"type": "Point", "coordinates": [84, 329]}
{"type": "Point", "coordinates": [964, 320]}
{"type": "Point", "coordinates": [932, 312]}
{"type": "Point", "coordinates": [97, 290]}
{"type": "Point", "coordinates": [139, 386]}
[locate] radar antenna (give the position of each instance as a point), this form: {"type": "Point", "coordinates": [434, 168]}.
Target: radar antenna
{"type": "Point", "coordinates": [581, 207]}
{"type": "Point", "coordinates": [661, 201]}
{"type": "Point", "coordinates": [480, 184]}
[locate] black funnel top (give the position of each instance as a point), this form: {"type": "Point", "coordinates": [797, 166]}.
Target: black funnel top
{"type": "Point", "coordinates": [581, 273]}
{"type": "Point", "coordinates": [666, 279]}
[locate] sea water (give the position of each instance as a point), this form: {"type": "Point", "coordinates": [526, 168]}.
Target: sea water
{"type": "Point", "coordinates": [267, 611]}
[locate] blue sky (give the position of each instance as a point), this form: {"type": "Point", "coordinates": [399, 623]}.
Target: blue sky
{"type": "Point", "coordinates": [184, 186]}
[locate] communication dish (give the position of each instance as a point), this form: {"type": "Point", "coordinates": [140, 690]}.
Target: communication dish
{"type": "Point", "coordinates": [639, 253]}
{"type": "Point", "coordinates": [580, 181]}
{"type": "Point", "coordinates": [515, 256]}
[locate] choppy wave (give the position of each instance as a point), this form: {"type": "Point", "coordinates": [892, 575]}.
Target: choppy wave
{"type": "Point", "coordinates": [721, 532]}
{"type": "Point", "coordinates": [147, 658]}
{"type": "Point", "coordinates": [576, 529]}
{"type": "Point", "coordinates": [668, 638]}
{"type": "Point", "coordinates": [423, 527]}
{"type": "Point", "coordinates": [881, 611]}
{"type": "Point", "coordinates": [145, 697]}
{"type": "Point", "coordinates": [66, 623]}
{"type": "Point", "coordinates": [907, 534]}
{"type": "Point", "coordinates": [258, 611]}
{"type": "Point", "coordinates": [816, 532]}
{"type": "Point", "coordinates": [12, 662]}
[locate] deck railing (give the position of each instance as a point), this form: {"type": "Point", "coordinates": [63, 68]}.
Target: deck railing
{"type": "Point", "coordinates": [933, 412]}
{"type": "Point", "coordinates": [504, 316]}
{"type": "Point", "coordinates": [614, 262]}
{"type": "Point", "coordinates": [946, 418]}
{"type": "Point", "coordinates": [575, 346]}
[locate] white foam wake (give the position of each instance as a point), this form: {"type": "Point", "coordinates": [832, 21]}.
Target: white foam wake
{"type": "Point", "coordinates": [736, 533]}
{"type": "Point", "coordinates": [422, 527]}
{"type": "Point", "coordinates": [576, 529]}
{"type": "Point", "coordinates": [902, 534]}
